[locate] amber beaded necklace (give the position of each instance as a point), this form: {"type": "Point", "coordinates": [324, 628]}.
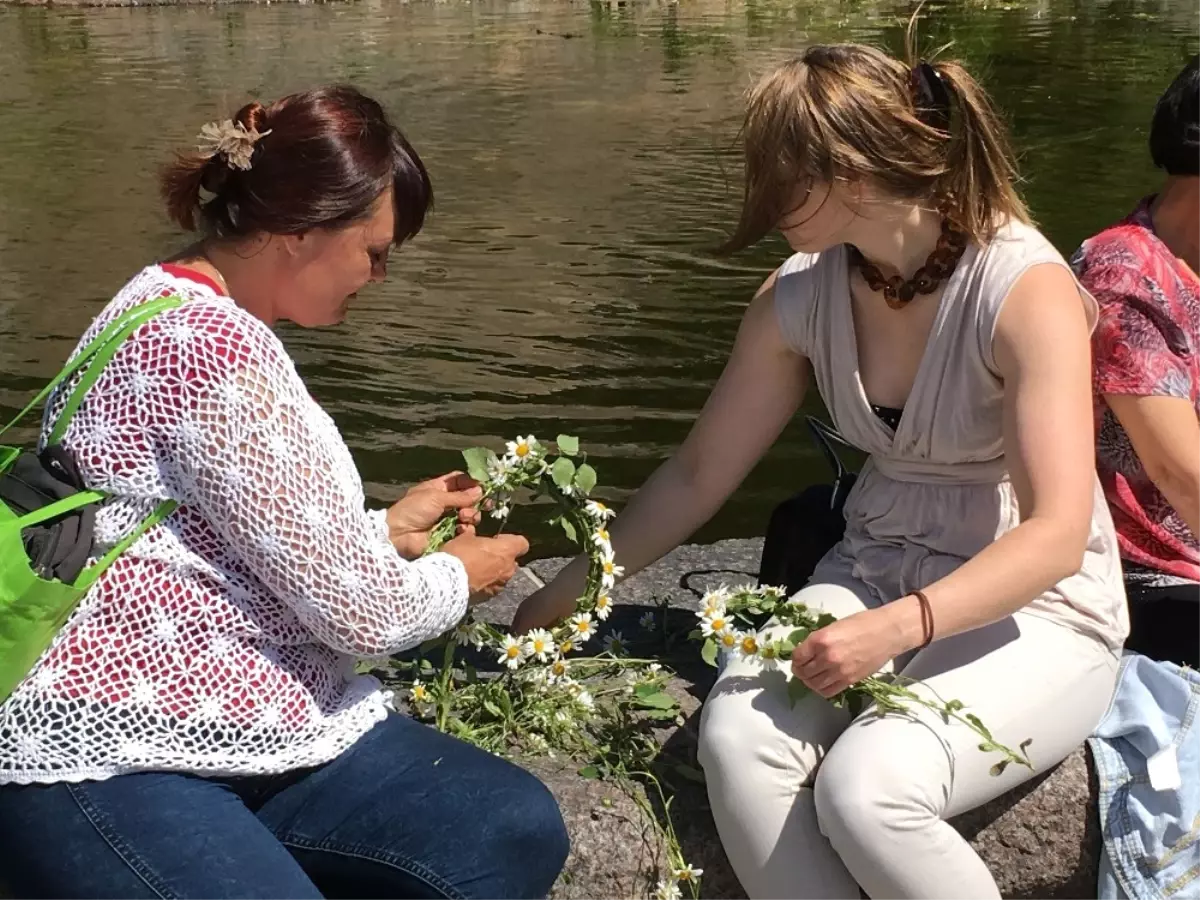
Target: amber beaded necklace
{"type": "Point", "coordinates": [899, 292]}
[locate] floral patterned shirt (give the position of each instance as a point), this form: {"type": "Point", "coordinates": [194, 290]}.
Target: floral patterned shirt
{"type": "Point", "coordinates": [1146, 343]}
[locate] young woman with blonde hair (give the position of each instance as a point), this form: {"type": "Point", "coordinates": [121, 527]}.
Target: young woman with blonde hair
{"type": "Point", "coordinates": [949, 340]}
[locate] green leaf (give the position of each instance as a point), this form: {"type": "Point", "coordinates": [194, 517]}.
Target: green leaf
{"type": "Point", "coordinates": [568, 445]}
{"type": "Point", "coordinates": [691, 773]}
{"type": "Point", "coordinates": [569, 530]}
{"type": "Point", "coordinates": [695, 634]}
{"type": "Point", "coordinates": [563, 472]}
{"type": "Point", "coordinates": [585, 478]}
{"type": "Point", "coordinates": [472, 673]}
{"type": "Point", "coordinates": [493, 709]}
{"type": "Point", "coordinates": [477, 459]}
{"type": "Point", "coordinates": [825, 619]}
{"type": "Point", "coordinates": [709, 652]}
{"type": "Point", "coordinates": [658, 700]}
{"type": "Point", "coordinates": [798, 636]}
{"type": "Point", "coordinates": [797, 691]}
{"type": "Point", "coordinates": [974, 720]}
{"type": "Point", "coordinates": [505, 702]}
{"type": "Point", "coordinates": [589, 772]}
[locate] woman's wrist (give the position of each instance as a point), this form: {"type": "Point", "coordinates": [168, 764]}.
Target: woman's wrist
{"type": "Point", "coordinates": [910, 625]}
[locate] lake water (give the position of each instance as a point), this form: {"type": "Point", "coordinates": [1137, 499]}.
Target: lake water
{"type": "Point", "coordinates": [582, 159]}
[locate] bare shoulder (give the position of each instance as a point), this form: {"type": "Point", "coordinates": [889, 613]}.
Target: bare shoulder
{"type": "Point", "coordinates": [1046, 312]}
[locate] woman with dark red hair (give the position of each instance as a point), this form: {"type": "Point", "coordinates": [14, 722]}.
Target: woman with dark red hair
{"type": "Point", "coordinates": [197, 728]}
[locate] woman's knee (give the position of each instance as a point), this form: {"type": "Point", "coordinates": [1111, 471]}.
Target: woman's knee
{"type": "Point", "coordinates": [872, 783]}
{"type": "Point", "coordinates": [527, 835]}
{"type": "Point", "coordinates": [733, 733]}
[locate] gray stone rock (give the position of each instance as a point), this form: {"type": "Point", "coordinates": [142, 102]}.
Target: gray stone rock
{"type": "Point", "coordinates": [1041, 840]}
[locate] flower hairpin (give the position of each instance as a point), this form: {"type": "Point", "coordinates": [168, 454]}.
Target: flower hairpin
{"type": "Point", "coordinates": [232, 141]}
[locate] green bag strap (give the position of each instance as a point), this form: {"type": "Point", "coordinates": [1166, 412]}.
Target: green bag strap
{"type": "Point", "coordinates": [58, 507]}
{"type": "Point", "coordinates": [103, 354]}
{"type": "Point", "coordinates": [88, 577]}
{"type": "Point", "coordinates": [85, 356]}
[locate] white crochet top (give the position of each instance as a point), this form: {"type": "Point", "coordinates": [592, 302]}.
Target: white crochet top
{"type": "Point", "coordinates": [224, 641]}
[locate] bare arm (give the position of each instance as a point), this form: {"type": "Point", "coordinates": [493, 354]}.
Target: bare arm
{"type": "Point", "coordinates": [1042, 351]}
{"type": "Point", "coordinates": [759, 391]}
{"type": "Point", "coordinates": [1165, 434]}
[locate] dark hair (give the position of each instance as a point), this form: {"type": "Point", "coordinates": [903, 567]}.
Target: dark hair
{"type": "Point", "coordinates": [1175, 130]}
{"type": "Point", "coordinates": [325, 157]}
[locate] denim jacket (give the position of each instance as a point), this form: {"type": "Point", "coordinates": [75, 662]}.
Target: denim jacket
{"type": "Point", "coordinates": [1147, 754]}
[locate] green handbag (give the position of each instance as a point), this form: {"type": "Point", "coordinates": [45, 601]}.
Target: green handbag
{"type": "Point", "coordinates": [33, 607]}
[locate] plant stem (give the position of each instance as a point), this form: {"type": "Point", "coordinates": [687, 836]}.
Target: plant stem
{"type": "Point", "coordinates": [444, 680]}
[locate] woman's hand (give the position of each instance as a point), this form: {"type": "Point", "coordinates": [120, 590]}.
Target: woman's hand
{"type": "Point", "coordinates": [490, 561]}
{"type": "Point", "coordinates": [411, 518]}
{"type": "Point", "coordinates": [541, 609]}
{"type": "Point", "coordinates": [834, 657]}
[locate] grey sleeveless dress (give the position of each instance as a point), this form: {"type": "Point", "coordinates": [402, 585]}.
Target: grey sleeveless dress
{"type": "Point", "coordinates": [936, 490]}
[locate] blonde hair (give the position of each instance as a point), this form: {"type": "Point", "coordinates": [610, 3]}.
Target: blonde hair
{"type": "Point", "coordinates": [847, 111]}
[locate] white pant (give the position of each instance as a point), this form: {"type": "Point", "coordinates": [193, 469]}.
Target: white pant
{"type": "Point", "coordinates": [873, 813]}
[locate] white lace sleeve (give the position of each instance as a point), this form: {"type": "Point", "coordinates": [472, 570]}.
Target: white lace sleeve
{"type": "Point", "coordinates": [255, 455]}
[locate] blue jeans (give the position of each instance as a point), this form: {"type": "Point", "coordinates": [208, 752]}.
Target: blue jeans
{"type": "Point", "coordinates": [405, 812]}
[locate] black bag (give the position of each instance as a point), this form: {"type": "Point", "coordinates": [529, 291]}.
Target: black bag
{"type": "Point", "coordinates": [58, 548]}
{"type": "Point", "coordinates": [803, 528]}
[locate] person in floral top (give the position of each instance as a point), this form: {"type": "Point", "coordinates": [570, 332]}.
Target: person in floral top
{"type": "Point", "coordinates": [1146, 379]}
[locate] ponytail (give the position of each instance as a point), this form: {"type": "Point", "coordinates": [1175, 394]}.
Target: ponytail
{"type": "Point", "coordinates": [978, 187]}
{"type": "Point", "coordinates": [182, 181]}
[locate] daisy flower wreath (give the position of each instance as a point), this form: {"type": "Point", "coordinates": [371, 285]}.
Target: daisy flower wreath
{"type": "Point", "coordinates": [589, 707]}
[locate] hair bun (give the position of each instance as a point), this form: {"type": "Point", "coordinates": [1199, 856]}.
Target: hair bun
{"type": "Point", "coordinates": [252, 117]}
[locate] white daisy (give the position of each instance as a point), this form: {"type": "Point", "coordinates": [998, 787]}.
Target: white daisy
{"type": "Point", "coordinates": [747, 644]}
{"type": "Point", "coordinates": [687, 873]}
{"type": "Point", "coordinates": [715, 623]}
{"type": "Point", "coordinates": [522, 449]}
{"type": "Point", "coordinates": [568, 644]}
{"type": "Point", "coordinates": [512, 654]}
{"type": "Point", "coordinates": [603, 607]}
{"type": "Point", "coordinates": [714, 600]}
{"type": "Point", "coordinates": [538, 644]}
{"type": "Point", "coordinates": [667, 890]}
{"type": "Point", "coordinates": [609, 572]}
{"type": "Point", "coordinates": [647, 620]}
{"type": "Point", "coordinates": [501, 512]}
{"type": "Point", "coordinates": [615, 643]}
{"type": "Point", "coordinates": [584, 699]}
{"type": "Point", "coordinates": [769, 657]}
{"type": "Point", "coordinates": [728, 639]}
{"type": "Point", "coordinates": [582, 626]}
{"type": "Point", "coordinates": [602, 540]}
{"type": "Point", "coordinates": [469, 632]}
{"type": "Point", "coordinates": [598, 511]}
{"type": "Point", "coordinates": [557, 671]}
{"type": "Point", "coordinates": [499, 469]}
